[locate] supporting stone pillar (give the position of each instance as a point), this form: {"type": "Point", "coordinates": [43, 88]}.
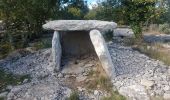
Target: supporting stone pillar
{"type": "Point", "coordinates": [56, 51]}
{"type": "Point", "coordinates": [102, 52]}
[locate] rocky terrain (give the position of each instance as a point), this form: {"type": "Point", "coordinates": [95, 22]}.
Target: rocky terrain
{"type": "Point", "coordinates": [138, 77]}
{"type": "Point", "coordinates": [53, 85]}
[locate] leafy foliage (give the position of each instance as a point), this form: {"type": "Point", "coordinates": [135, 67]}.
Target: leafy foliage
{"type": "Point", "coordinates": [74, 96]}
{"type": "Point", "coordinates": [23, 20]}
{"type": "Point", "coordinates": [138, 12]}
{"type": "Point", "coordinates": [127, 12]}
{"type": "Point", "coordinates": [165, 28]}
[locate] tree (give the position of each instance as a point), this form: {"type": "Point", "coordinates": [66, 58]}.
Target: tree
{"type": "Point", "coordinates": [130, 12]}
{"type": "Point", "coordinates": [166, 16]}
{"type": "Point", "coordinates": [24, 18]}
{"type": "Point", "coordinates": [75, 9]}
{"type": "Point", "coordinates": [138, 12]}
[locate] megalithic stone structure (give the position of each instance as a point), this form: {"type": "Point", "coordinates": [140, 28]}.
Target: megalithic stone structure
{"type": "Point", "coordinates": [81, 37]}
{"type": "Point", "coordinates": [102, 52]}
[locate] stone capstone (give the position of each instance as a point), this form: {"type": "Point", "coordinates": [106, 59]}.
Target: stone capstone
{"type": "Point", "coordinates": [79, 25]}
{"type": "Point", "coordinates": [102, 52]}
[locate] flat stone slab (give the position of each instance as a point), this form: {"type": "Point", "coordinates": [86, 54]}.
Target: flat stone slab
{"type": "Point", "coordinates": [79, 25]}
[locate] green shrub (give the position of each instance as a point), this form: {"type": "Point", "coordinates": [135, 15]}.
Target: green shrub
{"type": "Point", "coordinates": [164, 28]}
{"type": "Point", "coordinates": [43, 43]}
{"type": "Point", "coordinates": [5, 49]}
{"type": "Point", "coordinates": [10, 79]}
{"type": "Point", "coordinates": [2, 98]}
{"type": "Point", "coordinates": [74, 96]}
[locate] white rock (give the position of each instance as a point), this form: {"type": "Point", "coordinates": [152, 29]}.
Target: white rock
{"type": "Point", "coordinates": [166, 88]}
{"type": "Point", "coordinates": [166, 96]}
{"type": "Point", "coordinates": [30, 49]}
{"type": "Point", "coordinates": [88, 65]}
{"type": "Point", "coordinates": [56, 51]}
{"type": "Point", "coordinates": [96, 92]}
{"type": "Point", "coordinates": [60, 75]}
{"type": "Point", "coordinates": [81, 78]}
{"type": "Point", "coordinates": [134, 92]}
{"type": "Point", "coordinates": [125, 32]}
{"type": "Point", "coordinates": [102, 52]}
{"type": "Point", "coordinates": [25, 81]}
{"type": "Point", "coordinates": [80, 25]}
{"type": "Point", "coordinates": [81, 89]}
{"type": "Point", "coordinates": [147, 83]}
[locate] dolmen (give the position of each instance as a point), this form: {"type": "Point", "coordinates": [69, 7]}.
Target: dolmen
{"type": "Point", "coordinates": [81, 37]}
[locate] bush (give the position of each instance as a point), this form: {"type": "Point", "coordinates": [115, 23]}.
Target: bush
{"type": "Point", "coordinates": [164, 28]}
{"type": "Point", "coordinates": [5, 49]}
{"type": "Point", "coordinates": [43, 43]}
{"type": "Point", "coordinates": [74, 96]}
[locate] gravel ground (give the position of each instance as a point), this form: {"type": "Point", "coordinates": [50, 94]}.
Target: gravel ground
{"type": "Point", "coordinates": [138, 76]}
{"type": "Point", "coordinates": [137, 71]}
{"type": "Point", "coordinates": [47, 84]}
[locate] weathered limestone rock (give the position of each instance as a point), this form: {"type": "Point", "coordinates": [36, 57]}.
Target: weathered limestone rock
{"type": "Point", "coordinates": [134, 92]}
{"type": "Point", "coordinates": [166, 96]}
{"type": "Point", "coordinates": [79, 25]}
{"type": "Point", "coordinates": [56, 50]}
{"type": "Point", "coordinates": [123, 32]}
{"type": "Point", "coordinates": [148, 84]}
{"type": "Point", "coordinates": [102, 52]}
{"type": "Point", "coordinates": [48, 89]}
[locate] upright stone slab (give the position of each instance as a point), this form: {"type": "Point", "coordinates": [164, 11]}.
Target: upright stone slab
{"type": "Point", "coordinates": [56, 51]}
{"type": "Point", "coordinates": [102, 52]}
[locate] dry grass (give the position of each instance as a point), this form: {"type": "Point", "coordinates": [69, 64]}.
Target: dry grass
{"type": "Point", "coordinates": [97, 79]}
{"type": "Point", "coordinates": [114, 96]}
{"type": "Point", "coordinates": [157, 98]}
{"type": "Point", "coordinates": [154, 50]}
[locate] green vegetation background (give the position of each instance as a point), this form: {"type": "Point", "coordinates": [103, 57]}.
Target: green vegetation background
{"type": "Point", "coordinates": [23, 19]}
